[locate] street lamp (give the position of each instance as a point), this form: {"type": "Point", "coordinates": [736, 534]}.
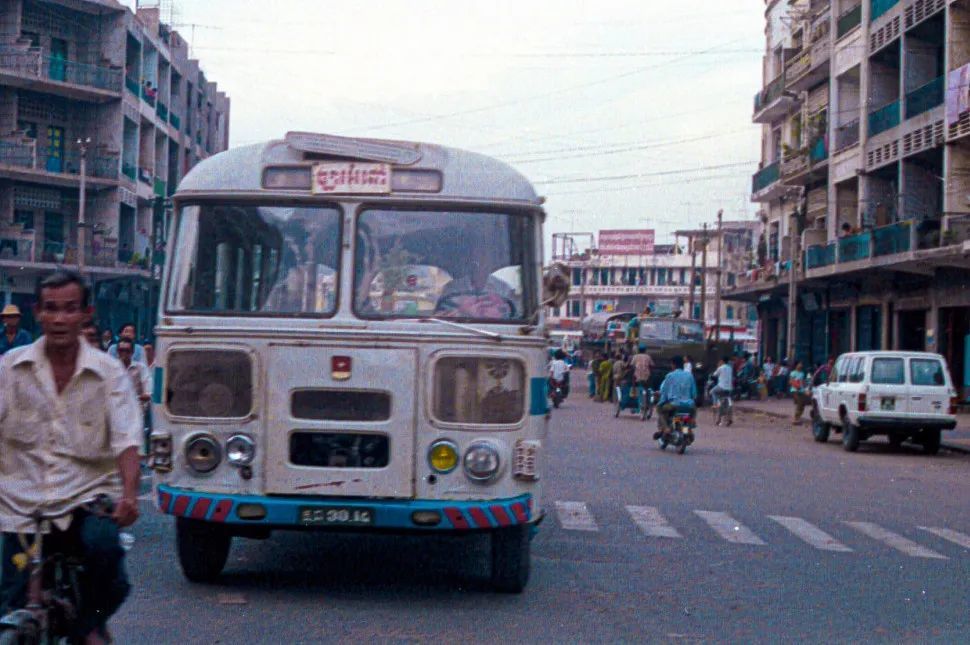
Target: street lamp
{"type": "Point", "coordinates": [81, 232]}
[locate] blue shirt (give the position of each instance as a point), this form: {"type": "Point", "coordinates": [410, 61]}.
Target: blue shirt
{"type": "Point", "coordinates": [679, 388]}
{"type": "Point", "coordinates": [21, 338]}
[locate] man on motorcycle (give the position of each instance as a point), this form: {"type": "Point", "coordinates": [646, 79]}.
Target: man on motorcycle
{"type": "Point", "coordinates": [723, 386]}
{"type": "Point", "coordinates": [559, 371]}
{"type": "Point", "coordinates": [677, 392]}
{"type": "Point", "coordinates": [70, 429]}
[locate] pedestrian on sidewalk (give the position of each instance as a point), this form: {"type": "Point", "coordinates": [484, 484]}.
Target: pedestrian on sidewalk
{"type": "Point", "coordinates": [799, 387]}
{"type": "Point", "coordinates": [605, 374]}
{"type": "Point", "coordinates": [592, 375]}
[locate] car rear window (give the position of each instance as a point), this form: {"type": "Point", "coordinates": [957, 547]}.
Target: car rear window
{"type": "Point", "coordinates": [926, 371]}
{"type": "Point", "coordinates": [888, 371]}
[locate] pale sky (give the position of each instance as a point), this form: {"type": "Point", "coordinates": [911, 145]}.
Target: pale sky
{"type": "Point", "coordinates": [603, 105]}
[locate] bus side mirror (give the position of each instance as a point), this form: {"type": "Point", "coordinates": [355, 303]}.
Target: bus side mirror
{"type": "Point", "coordinates": [555, 285]}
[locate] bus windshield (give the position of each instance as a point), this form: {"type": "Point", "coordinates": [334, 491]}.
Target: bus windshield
{"type": "Point", "coordinates": [258, 260]}
{"type": "Point", "coordinates": [460, 265]}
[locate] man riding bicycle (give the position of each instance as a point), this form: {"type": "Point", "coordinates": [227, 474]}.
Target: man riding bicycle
{"type": "Point", "coordinates": [678, 392]}
{"type": "Point", "coordinates": [723, 386]}
{"type": "Point", "coordinates": [70, 429]}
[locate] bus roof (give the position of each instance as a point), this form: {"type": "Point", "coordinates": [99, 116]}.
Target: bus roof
{"type": "Point", "coordinates": [465, 175]}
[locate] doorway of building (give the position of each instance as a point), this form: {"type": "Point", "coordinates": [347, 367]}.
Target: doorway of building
{"type": "Point", "coordinates": [912, 330]}
{"type": "Point", "coordinates": [954, 345]}
{"type": "Point", "coordinates": [839, 337]}
{"type": "Point", "coordinates": [58, 61]}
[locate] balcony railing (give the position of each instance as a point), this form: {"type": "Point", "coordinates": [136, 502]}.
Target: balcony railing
{"type": "Point", "coordinates": [765, 177]}
{"type": "Point", "coordinates": [849, 21]}
{"type": "Point", "coordinates": [925, 98]}
{"type": "Point", "coordinates": [18, 153]}
{"type": "Point", "coordinates": [31, 62]}
{"type": "Point", "coordinates": [847, 135]}
{"type": "Point", "coordinates": [129, 171]}
{"type": "Point", "coordinates": [884, 118]}
{"type": "Point", "coordinates": [879, 7]}
{"type": "Point", "coordinates": [148, 96]}
{"type": "Point", "coordinates": [855, 247]}
{"type": "Point", "coordinates": [820, 255]}
{"type": "Point", "coordinates": [17, 244]}
{"type": "Point", "coordinates": [159, 187]}
{"type": "Point", "coordinates": [892, 239]}
{"type": "Point", "coordinates": [162, 111]}
{"type": "Point", "coordinates": [173, 118]}
{"type": "Point", "coordinates": [771, 92]}
{"type": "Point", "coordinates": [26, 155]}
{"type": "Point", "coordinates": [819, 151]}
{"type": "Point", "coordinates": [132, 85]}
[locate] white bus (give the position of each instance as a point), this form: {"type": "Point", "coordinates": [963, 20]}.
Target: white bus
{"type": "Point", "coordinates": [350, 337]}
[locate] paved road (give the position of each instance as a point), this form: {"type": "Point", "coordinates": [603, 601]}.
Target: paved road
{"type": "Point", "coordinates": [758, 534]}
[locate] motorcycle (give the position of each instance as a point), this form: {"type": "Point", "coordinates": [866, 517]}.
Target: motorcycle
{"type": "Point", "coordinates": [681, 435]}
{"type": "Point", "coordinates": [558, 391]}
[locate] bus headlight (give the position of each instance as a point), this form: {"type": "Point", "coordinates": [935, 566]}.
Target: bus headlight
{"type": "Point", "coordinates": [202, 453]}
{"type": "Point", "coordinates": [481, 461]}
{"type": "Point", "coordinates": [443, 456]}
{"type": "Point", "coordinates": [240, 450]}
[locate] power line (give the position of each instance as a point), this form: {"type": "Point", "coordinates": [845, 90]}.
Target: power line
{"type": "Point", "coordinates": [642, 186]}
{"type": "Point", "coordinates": [659, 173]}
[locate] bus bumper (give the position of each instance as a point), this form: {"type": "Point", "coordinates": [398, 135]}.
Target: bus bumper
{"type": "Point", "coordinates": [286, 512]}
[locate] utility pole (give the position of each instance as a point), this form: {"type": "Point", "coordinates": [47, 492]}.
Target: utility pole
{"type": "Point", "coordinates": [704, 276]}
{"type": "Point", "coordinates": [792, 283]}
{"type": "Point", "coordinates": [82, 236]}
{"type": "Point", "coordinates": [717, 288]}
{"type": "Point", "coordinates": [693, 274]}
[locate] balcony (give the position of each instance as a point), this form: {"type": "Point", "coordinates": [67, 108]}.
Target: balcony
{"type": "Point", "coordinates": [129, 171]}
{"type": "Point", "coordinates": [23, 153]}
{"type": "Point", "coordinates": [879, 7]}
{"type": "Point", "coordinates": [148, 96]}
{"type": "Point", "coordinates": [818, 151]}
{"type": "Point", "coordinates": [810, 67]}
{"type": "Point", "coordinates": [16, 244]}
{"type": "Point", "coordinates": [773, 101]}
{"type": "Point", "coordinates": [764, 181]}
{"type": "Point", "coordinates": [820, 255]}
{"type": "Point", "coordinates": [892, 239]}
{"type": "Point", "coordinates": [925, 98]}
{"type": "Point", "coordinates": [162, 111]}
{"type": "Point", "coordinates": [28, 67]}
{"type": "Point", "coordinates": [159, 187]}
{"type": "Point", "coordinates": [173, 118]}
{"type": "Point", "coordinates": [847, 135]}
{"type": "Point", "coordinates": [884, 118]}
{"type": "Point", "coordinates": [132, 85]}
{"type": "Point", "coordinates": [853, 248]}
{"type": "Point", "coordinates": [849, 21]}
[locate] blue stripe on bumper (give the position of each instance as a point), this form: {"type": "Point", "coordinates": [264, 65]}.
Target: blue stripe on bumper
{"type": "Point", "coordinates": [388, 514]}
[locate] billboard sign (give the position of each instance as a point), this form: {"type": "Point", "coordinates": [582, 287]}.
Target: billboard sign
{"type": "Point", "coordinates": [626, 242]}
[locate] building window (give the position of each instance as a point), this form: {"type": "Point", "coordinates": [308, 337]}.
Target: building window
{"type": "Point", "coordinates": [729, 312]}
{"type": "Point", "coordinates": [577, 277]}
{"type": "Point", "coordinates": [683, 276]}
{"type": "Point", "coordinates": [661, 277]}
{"type": "Point", "coordinates": [732, 279]}
{"type": "Point", "coordinates": [697, 312]}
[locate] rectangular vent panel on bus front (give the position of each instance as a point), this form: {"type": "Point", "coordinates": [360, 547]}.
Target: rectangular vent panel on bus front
{"type": "Point", "coordinates": [340, 405]}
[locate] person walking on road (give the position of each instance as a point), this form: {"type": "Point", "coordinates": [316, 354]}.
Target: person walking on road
{"type": "Point", "coordinates": [605, 375]}
{"type": "Point", "coordinates": [642, 368]}
{"type": "Point", "coordinates": [799, 387]}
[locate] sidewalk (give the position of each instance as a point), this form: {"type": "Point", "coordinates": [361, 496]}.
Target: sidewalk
{"type": "Point", "coordinates": [954, 440]}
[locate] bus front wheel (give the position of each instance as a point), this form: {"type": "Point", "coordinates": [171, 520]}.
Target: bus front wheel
{"type": "Point", "coordinates": [511, 553]}
{"type": "Point", "coordinates": [202, 549]}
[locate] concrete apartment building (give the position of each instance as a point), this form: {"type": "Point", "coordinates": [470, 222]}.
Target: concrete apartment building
{"type": "Point", "coordinates": [659, 276]}
{"type": "Point", "coordinates": [865, 179]}
{"type": "Point", "coordinates": [124, 86]}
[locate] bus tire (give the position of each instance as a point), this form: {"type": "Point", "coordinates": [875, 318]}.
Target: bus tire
{"type": "Point", "coordinates": [511, 555]}
{"type": "Point", "coordinates": [202, 549]}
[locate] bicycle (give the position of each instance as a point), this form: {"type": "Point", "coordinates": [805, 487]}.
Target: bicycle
{"type": "Point", "coordinates": [53, 589]}
{"type": "Point", "coordinates": [722, 407]}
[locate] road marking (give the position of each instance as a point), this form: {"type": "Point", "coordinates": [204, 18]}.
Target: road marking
{"type": "Point", "coordinates": [574, 516]}
{"type": "Point", "coordinates": [948, 534]}
{"type": "Point", "coordinates": [895, 540]}
{"type": "Point", "coordinates": [729, 528]}
{"type": "Point", "coordinates": [810, 534]}
{"type": "Point", "coordinates": [651, 522]}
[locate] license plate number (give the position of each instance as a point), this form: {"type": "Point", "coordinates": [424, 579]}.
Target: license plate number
{"type": "Point", "coordinates": [337, 516]}
{"type": "Point", "coordinates": [888, 403]}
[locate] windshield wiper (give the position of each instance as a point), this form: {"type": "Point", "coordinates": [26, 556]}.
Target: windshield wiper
{"type": "Point", "coordinates": [474, 330]}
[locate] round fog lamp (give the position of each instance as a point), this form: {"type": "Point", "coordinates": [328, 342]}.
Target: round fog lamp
{"type": "Point", "coordinates": [443, 456]}
{"type": "Point", "coordinates": [481, 462]}
{"type": "Point", "coordinates": [240, 450]}
{"type": "Point", "coordinates": [203, 453]}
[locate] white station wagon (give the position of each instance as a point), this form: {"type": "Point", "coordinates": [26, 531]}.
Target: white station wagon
{"type": "Point", "coordinates": [905, 395]}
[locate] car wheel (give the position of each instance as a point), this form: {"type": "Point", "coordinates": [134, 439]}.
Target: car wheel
{"type": "Point", "coordinates": [202, 549]}
{"type": "Point", "coordinates": [820, 429]}
{"type": "Point", "coordinates": [931, 441]}
{"type": "Point", "coordinates": [511, 555]}
{"type": "Point", "coordinates": [850, 436]}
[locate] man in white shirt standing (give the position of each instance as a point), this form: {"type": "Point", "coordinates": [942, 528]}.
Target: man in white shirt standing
{"type": "Point", "coordinates": [70, 428]}
{"type": "Point", "coordinates": [140, 380]}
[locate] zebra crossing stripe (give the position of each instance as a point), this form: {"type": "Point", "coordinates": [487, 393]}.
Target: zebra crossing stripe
{"type": "Point", "coordinates": [956, 537]}
{"type": "Point", "coordinates": [729, 528]}
{"type": "Point", "coordinates": [810, 534]}
{"type": "Point", "coordinates": [651, 522]}
{"type": "Point", "coordinates": [574, 516]}
{"type": "Point", "coordinates": [895, 540]}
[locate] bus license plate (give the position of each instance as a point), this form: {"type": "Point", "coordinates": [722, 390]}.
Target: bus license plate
{"type": "Point", "coordinates": [336, 516]}
{"type": "Point", "coordinates": [888, 403]}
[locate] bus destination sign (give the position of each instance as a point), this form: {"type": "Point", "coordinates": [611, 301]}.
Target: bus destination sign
{"type": "Point", "coordinates": [351, 178]}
